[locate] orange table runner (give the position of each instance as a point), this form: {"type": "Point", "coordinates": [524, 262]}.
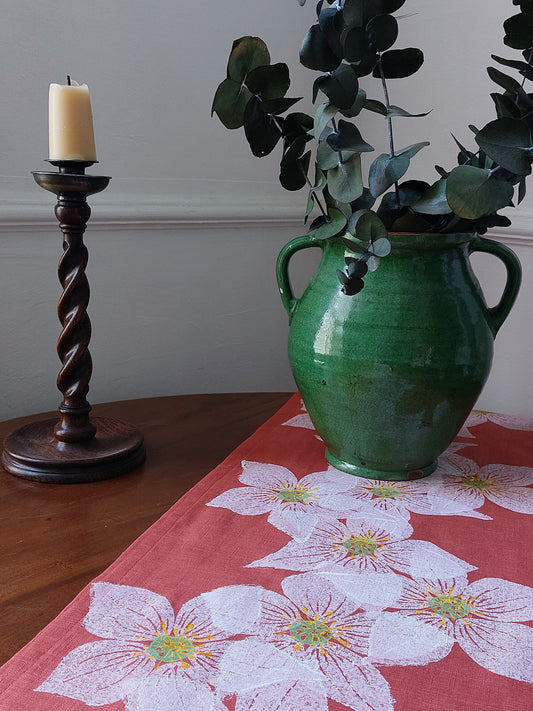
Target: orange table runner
{"type": "Point", "coordinates": [281, 584]}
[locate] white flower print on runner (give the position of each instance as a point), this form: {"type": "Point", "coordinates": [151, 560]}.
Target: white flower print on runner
{"type": "Point", "coordinates": [294, 505]}
{"type": "Point", "coordinates": [483, 617]}
{"type": "Point", "coordinates": [400, 497]}
{"type": "Point", "coordinates": [318, 627]}
{"type": "Point", "coordinates": [510, 422]}
{"type": "Point", "coordinates": [302, 419]}
{"type": "Point", "coordinates": [361, 558]}
{"type": "Point", "coordinates": [147, 656]}
{"type": "Point", "coordinates": [462, 482]}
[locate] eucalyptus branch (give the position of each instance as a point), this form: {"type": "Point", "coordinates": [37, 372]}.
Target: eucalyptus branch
{"type": "Point", "coordinates": [529, 62]}
{"type": "Point", "coordinates": [389, 122]}
{"type": "Point", "coordinates": [334, 124]}
{"type": "Point", "coordinates": [313, 194]}
{"type": "Point", "coordinates": [276, 123]}
{"type": "Point", "coordinates": [388, 106]}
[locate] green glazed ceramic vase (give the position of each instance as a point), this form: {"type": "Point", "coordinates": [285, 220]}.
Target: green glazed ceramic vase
{"type": "Point", "coordinates": [390, 375]}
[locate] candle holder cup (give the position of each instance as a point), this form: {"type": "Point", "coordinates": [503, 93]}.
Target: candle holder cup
{"type": "Point", "coordinates": [76, 448]}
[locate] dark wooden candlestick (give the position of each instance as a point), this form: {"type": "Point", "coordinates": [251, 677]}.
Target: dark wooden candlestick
{"type": "Point", "coordinates": [75, 448]}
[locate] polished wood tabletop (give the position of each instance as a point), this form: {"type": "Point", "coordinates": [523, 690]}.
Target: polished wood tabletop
{"type": "Point", "coordinates": [55, 538]}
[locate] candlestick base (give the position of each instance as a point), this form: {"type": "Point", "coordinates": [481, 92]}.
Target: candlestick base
{"type": "Point", "coordinates": [33, 452]}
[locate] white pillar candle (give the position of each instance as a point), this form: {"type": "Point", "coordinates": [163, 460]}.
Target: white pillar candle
{"type": "Point", "coordinates": [70, 123]}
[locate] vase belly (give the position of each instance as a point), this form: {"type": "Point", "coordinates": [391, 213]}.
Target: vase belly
{"type": "Point", "coordinates": [382, 421]}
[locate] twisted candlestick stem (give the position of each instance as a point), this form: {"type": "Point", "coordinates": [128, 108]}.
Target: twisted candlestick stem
{"type": "Point", "coordinates": [73, 344]}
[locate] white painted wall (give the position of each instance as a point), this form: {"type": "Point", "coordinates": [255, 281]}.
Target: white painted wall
{"type": "Point", "coordinates": [183, 243]}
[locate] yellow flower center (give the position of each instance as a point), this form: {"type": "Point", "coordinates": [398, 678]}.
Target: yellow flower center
{"type": "Point", "coordinates": [361, 545]}
{"type": "Point", "coordinates": [170, 647]}
{"type": "Point", "coordinates": [447, 606]}
{"type": "Point", "coordinates": [289, 494]}
{"type": "Point", "coordinates": [387, 490]}
{"type": "Point", "coordinates": [316, 633]}
{"type": "Point", "coordinates": [478, 482]}
{"type": "Point", "coordinates": [365, 543]}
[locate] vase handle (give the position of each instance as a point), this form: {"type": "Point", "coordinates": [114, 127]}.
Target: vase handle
{"type": "Point", "coordinates": [498, 313]}
{"type": "Point", "coordinates": [282, 268]}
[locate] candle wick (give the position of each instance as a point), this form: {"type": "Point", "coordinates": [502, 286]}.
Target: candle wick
{"type": "Point", "coordinates": [68, 80]}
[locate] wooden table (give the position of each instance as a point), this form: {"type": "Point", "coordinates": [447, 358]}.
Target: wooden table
{"type": "Point", "coordinates": [55, 538]}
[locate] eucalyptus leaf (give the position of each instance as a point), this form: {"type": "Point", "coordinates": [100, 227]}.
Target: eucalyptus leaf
{"type": "Point", "coordinates": [433, 201]}
{"type": "Point", "coordinates": [394, 111]}
{"type": "Point", "coordinates": [336, 222]}
{"type": "Point", "coordinates": [295, 150]}
{"type": "Point", "coordinates": [519, 31]}
{"type": "Point", "coordinates": [348, 138]}
{"type": "Point", "coordinates": [326, 157]}
{"type": "Point", "coordinates": [356, 267]}
{"type": "Point", "coordinates": [345, 181]}
{"type": "Point", "coordinates": [382, 31]}
{"type": "Point", "coordinates": [323, 116]}
{"type": "Point", "coordinates": [373, 262]}
{"type": "Point", "coordinates": [366, 65]}
{"type": "Point", "coordinates": [230, 102]}
{"type": "Point", "coordinates": [380, 247]}
{"type": "Point", "coordinates": [505, 106]}
{"type": "Point", "coordinates": [511, 85]}
{"type": "Point", "coordinates": [277, 106]}
{"type": "Point", "coordinates": [351, 242]}
{"type": "Point", "coordinates": [410, 191]}
{"type": "Point", "coordinates": [376, 106]}
{"type": "Point", "coordinates": [400, 63]}
{"type": "Point", "coordinates": [247, 53]}
{"type": "Point", "coordinates": [523, 67]}
{"type": "Point", "coordinates": [357, 13]}
{"type": "Point", "coordinates": [350, 286]}
{"type": "Point", "coordinates": [330, 22]}
{"type": "Point", "coordinates": [356, 46]}
{"type": "Point", "coordinates": [357, 106]}
{"type": "Point", "coordinates": [474, 192]}
{"type": "Point", "coordinates": [412, 150]}
{"type": "Point", "coordinates": [368, 227]}
{"type": "Point", "coordinates": [508, 142]}
{"type": "Point", "coordinates": [385, 171]}
{"type": "Point", "coordinates": [315, 52]}
{"type": "Point", "coordinates": [341, 86]}
{"type": "Point", "coordinates": [320, 180]}
{"type": "Point", "coordinates": [364, 202]}
{"type": "Point", "coordinates": [294, 167]}
{"type": "Point", "coordinates": [262, 131]}
{"type": "Point", "coordinates": [297, 124]}
{"type": "Point", "coordinates": [270, 82]}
